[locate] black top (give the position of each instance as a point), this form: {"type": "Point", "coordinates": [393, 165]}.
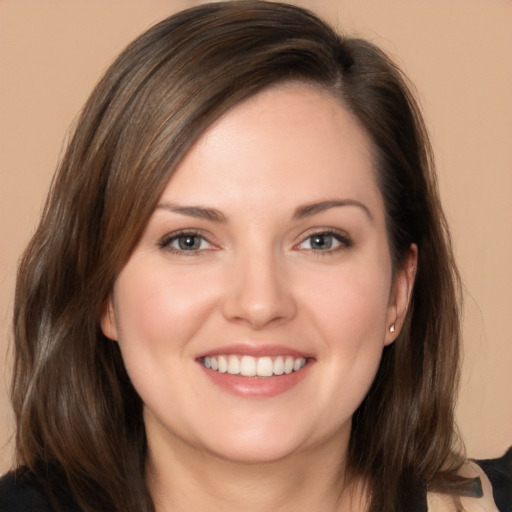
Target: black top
{"type": "Point", "coordinates": [18, 493]}
{"type": "Point", "coordinates": [499, 472]}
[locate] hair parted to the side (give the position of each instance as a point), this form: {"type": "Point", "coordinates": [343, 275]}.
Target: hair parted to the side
{"type": "Point", "coordinates": [79, 420]}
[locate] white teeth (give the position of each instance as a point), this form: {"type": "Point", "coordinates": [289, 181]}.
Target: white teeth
{"type": "Point", "coordinates": [265, 367]}
{"type": "Point", "coordinates": [233, 365]}
{"type": "Point", "coordinates": [249, 366]}
{"type": "Point", "coordinates": [223, 364]}
{"type": "Point", "coordinates": [279, 366]}
{"type": "Point", "coordinates": [297, 364]}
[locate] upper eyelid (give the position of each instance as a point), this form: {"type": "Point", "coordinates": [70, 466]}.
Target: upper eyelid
{"type": "Point", "coordinates": [168, 238]}
{"type": "Point", "coordinates": [344, 239]}
{"type": "Point", "coordinates": [340, 234]}
{"type": "Point", "coordinates": [325, 231]}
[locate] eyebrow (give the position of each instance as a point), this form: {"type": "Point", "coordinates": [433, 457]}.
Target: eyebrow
{"type": "Point", "coordinates": [199, 212]}
{"type": "Point", "coordinates": [212, 214]}
{"type": "Point", "coordinates": [314, 208]}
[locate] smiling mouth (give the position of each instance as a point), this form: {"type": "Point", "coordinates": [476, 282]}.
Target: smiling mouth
{"type": "Point", "coordinates": [249, 366]}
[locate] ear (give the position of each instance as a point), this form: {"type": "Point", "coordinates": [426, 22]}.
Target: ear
{"type": "Point", "coordinates": [400, 295]}
{"type": "Point", "coordinates": [108, 320]}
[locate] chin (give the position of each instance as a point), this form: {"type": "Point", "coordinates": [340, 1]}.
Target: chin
{"type": "Point", "coordinates": [254, 451]}
{"type": "Point", "coordinates": [271, 442]}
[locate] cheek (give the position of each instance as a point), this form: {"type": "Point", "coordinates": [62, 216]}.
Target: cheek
{"type": "Point", "coordinates": [349, 304]}
{"type": "Point", "coordinates": [348, 311]}
{"type": "Point", "coordinates": [158, 312]}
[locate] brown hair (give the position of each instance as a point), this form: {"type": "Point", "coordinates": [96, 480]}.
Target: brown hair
{"type": "Point", "coordinates": [79, 420]}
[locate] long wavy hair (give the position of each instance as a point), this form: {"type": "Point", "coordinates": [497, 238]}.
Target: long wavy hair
{"type": "Point", "coordinates": [80, 430]}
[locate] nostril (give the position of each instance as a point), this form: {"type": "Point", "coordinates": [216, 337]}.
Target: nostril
{"type": "Point", "coordinates": [259, 302]}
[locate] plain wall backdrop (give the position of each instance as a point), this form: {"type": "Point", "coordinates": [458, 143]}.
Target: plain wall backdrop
{"type": "Point", "coordinates": [456, 52]}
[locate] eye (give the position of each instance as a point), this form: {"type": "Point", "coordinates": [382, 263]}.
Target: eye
{"type": "Point", "coordinates": [326, 241]}
{"type": "Point", "coordinates": [185, 242]}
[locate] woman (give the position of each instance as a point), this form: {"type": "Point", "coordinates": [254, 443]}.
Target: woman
{"type": "Point", "coordinates": [241, 295]}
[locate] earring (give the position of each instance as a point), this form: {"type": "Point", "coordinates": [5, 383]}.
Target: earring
{"type": "Point", "coordinates": [392, 328]}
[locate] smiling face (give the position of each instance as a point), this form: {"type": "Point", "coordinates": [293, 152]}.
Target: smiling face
{"type": "Point", "coordinates": [253, 312]}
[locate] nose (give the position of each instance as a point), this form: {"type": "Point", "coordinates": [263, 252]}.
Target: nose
{"type": "Point", "coordinates": [259, 292]}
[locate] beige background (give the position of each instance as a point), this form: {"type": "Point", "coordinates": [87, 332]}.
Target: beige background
{"type": "Point", "coordinates": [457, 52]}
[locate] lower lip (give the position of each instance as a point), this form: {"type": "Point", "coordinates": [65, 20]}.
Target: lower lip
{"type": "Point", "coordinates": [257, 387]}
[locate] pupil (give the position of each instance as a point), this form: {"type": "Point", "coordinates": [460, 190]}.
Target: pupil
{"type": "Point", "coordinates": [189, 242]}
{"type": "Point", "coordinates": [322, 242]}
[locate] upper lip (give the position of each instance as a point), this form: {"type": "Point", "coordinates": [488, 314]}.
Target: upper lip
{"type": "Point", "coordinates": [255, 350]}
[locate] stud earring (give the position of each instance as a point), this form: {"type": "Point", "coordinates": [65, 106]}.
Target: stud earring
{"type": "Point", "coordinates": [392, 328]}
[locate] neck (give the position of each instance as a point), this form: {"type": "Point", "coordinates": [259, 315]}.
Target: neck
{"type": "Point", "coordinates": [185, 478]}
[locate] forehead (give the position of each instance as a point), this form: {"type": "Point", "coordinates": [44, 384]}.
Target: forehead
{"type": "Point", "coordinates": [288, 144]}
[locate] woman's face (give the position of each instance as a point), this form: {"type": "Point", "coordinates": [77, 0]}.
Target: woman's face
{"type": "Point", "coordinates": [266, 255]}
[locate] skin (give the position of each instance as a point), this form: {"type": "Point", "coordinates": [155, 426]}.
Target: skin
{"type": "Point", "coordinates": [256, 278]}
{"type": "Point", "coordinates": [442, 503]}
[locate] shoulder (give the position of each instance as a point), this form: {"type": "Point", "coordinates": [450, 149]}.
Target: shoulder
{"type": "Point", "coordinates": [499, 472]}
{"type": "Point", "coordinates": [19, 494]}
{"type": "Point", "coordinates": [483, 502]}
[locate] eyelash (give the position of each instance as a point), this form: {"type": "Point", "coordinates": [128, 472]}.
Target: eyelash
{"type": "Point", "coordinates": [166, 241]}
{"type": "Point", "coordinates": [342, 238]}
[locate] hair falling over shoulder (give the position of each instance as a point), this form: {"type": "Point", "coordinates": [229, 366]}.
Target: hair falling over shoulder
{"type": "Point", "coordinates": [79, 421]}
